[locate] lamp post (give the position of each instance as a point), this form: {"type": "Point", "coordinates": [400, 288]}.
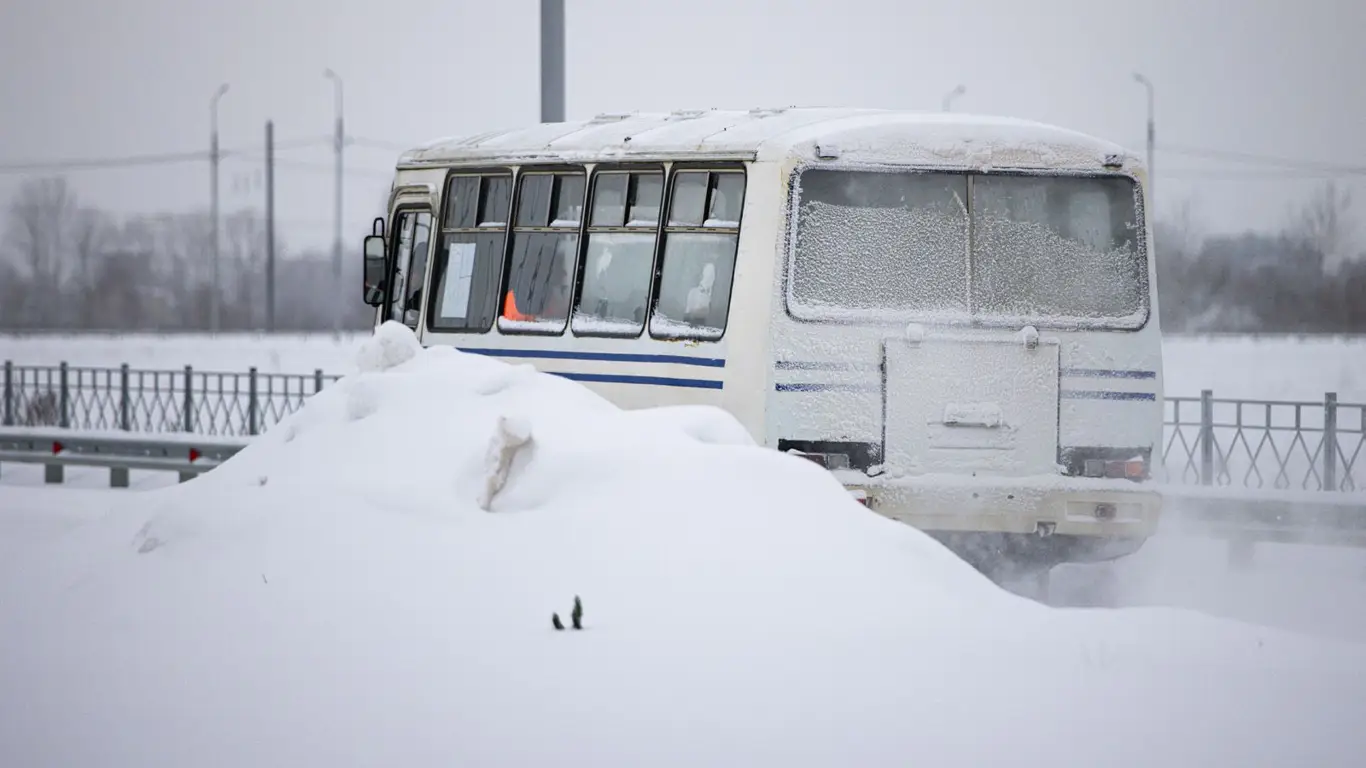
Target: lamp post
{"type": "Point", "coordinates": [1152, 129]}
{"type": "Point", "coordinates": [339, 145]}
{"type": "Point", "coordinates": [552, 61]}
{"type": "Point", "coordinates": [213, 204]}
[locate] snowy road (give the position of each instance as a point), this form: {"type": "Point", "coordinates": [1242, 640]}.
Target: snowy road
{"type": "Point", "coordinates": [1314, 590]}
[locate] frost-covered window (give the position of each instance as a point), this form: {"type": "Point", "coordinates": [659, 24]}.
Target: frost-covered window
{"type": "Point", "coordinates": [470, 252]}
{"type": "Point", "coordinates": [545, 243]}
{"type": "Point", "coordinates": [620, 253]}
{"type": "Point", "coordinates": [700, 241]}
{"type": "Point", "coordinates": [953, 246]}
{"type": "Point", "coordinates": [882, 241]}
{"type": "Point", "coordinates": [1059, 246]}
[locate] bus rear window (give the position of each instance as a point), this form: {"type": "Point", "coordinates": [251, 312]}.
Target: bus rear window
{"type": "Point", "coordinates": [877, 241]}
{"type": "Point", "coordinates": [1056, 247]}
{"type": "Point", "coordinates": [990, 248]}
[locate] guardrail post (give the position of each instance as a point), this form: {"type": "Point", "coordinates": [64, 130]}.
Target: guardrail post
{"type": "Point", "coordinates": [7, 409]}
{"type": "Point", "coordinates": [1207, 437]}
{"type": "Point", "coordinates": [189, 399]}
{"type": "Point", "coordinates": [317, 380]}
{"type": "Point", "coordinates": [64, 403]}
{"type": "Point", "coordinates": [125, 401]}
{"type": "Point", "coordinates": [118, 476]}
{"type": "Point", "coordinates": [9, 393]}
{"type": "Point", "coordinates": [251, 401]}
{"type": "Point", "coordinates": [1330, 441]}
{"type": "Point", "coordinates": [54, 474]}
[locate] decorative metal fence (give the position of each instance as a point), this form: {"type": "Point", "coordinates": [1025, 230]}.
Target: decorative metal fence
{"type": "Point", "coordinates": [200, 402]}
{"type": "Point", "coordinates": [1266, 444]}
{"type": "Point", "coordinates": [1252, 444]}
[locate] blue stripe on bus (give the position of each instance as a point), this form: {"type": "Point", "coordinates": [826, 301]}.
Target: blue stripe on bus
{"type": "Point", "coordinates": [1094, 373]}
{"type": "Point", "coordinates": [802, 365]}
{"type": "Point", "coordinates": [653, 381]}
{"type": "Point", "coordinates": [1066, 394]}
{"type": "Point", "coordinates": [815, 386]}
{"type": "Point", "coordinates": [610, 357]}
{"type": "Point", "coordinates": [1102, 373]}
{"type": "Point", "coordinates": [1104, 394]}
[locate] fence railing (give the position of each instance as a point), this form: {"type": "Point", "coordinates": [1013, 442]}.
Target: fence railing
{"type": "Point", "coordinates": [1253, 444]}
{"type": "Point", "coordinates": [153, 401]}
{"type": "Point", "coordinates": [1265, 444]}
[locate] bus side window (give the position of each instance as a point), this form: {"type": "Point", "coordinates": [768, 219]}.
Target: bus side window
{"type": "Point", "coordinates": [417, 273]}
{"type": "Point", "coordinates": [539, 280]}
{"type": "Point", "coordinates": [469, 253]}
{"type": "Point", "coordinates": [620, 253]}
{"type": "Point", "coordinates": [699, 255]}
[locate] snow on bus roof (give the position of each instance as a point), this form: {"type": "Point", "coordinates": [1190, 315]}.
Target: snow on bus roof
{"type": "Point", "coordinates": [860, 135]}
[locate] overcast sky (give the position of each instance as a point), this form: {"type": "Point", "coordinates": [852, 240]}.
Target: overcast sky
{"type": "Point", "coordinates": [97, 78]}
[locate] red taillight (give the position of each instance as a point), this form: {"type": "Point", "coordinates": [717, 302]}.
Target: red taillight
{"type": "Point", "coordinates": [1133, 469]}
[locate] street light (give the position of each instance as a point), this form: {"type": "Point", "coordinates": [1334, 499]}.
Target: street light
{"type": "Point", "coordinates": [339, 144]}
{"type": "Point", "coordinates": [951, 95]}
{"type": "Point", "coordinates": [1152, 130]}
{"type": "Point", "coordinates": [213, 202]}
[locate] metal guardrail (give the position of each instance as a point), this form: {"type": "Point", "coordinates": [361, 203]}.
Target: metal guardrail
{"type": "Point", "coordinates": [1272, 445]}
{"type": "Point", "coordinates": [56, 449]}
{"type": "Point", "coordinates": [1257, 444]}
{"type": "Point", "coordinates": [152, 401]}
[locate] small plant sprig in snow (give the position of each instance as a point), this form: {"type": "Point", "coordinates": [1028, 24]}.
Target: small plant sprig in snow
{"type": "Point", "coordinates": [575, 617]}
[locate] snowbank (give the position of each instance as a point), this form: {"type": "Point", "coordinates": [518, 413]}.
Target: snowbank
{"type": "Point", "coordinates": [337, 595]}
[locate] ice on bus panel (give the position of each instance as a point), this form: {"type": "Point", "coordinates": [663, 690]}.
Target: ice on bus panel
{"type": "Point", "coordinates": [954, 314]}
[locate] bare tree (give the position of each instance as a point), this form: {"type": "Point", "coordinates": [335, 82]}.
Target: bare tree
{"type": "Point", "coordinates": [91, 231]}
{"type": "Point", "coordinates": [1325, 223]}
{"type": "Point", "coordinates": [1177, 247]}
{"type": "Point", "coordinates": [38, 237]}
{"type": "Point", "coordinates": [243, 271]}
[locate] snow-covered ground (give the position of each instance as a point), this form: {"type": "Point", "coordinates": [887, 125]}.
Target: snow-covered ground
{"type": "Point", "coordinates": [1268, 368]}
{"type": "Point", "coordinates": [316, 601]}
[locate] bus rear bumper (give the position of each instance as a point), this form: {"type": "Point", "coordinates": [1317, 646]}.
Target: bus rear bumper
{"type": "Point", "coordinates": [1116, 515]}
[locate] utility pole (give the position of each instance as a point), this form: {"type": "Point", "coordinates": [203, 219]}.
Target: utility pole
{"type": "Point", "coordinates": [552, 61]}
{"type": "Point", "coordinates": [339, 144]}
{"type": "Point", "coordinates": [1152, 129]}
{"type": "Point", "coordinates": [270, 226]}
{"type": "Point", "coordinates": [213, 205]}
{"type": "Point", "coordinates": [947, 104]}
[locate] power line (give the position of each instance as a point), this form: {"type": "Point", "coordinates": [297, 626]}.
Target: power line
{"type": "Point", "coordinates": [1283, 168]}
{"type": "Point", "coordinates": [127, 161]}
{"type": "Point", "coordinates": [1226, 174]}
{"type": "Point", "coordinates": [304, 165]}
{"type": "Point", "coordinates": [142, 160]}
{"type": "Point", "coordinates": [362, 141]}
{"type": "Point", "coordinates": [1248, 157]}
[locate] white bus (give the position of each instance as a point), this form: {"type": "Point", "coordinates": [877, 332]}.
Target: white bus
{"type": "Point", "coordinates": [956, 315]}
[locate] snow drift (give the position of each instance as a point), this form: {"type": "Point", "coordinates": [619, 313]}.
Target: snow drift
{"type": "Point", "coordinates": [372, 583]}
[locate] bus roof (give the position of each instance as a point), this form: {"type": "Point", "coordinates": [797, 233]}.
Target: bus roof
{"type": "Point", "coordinates": [856, 135]}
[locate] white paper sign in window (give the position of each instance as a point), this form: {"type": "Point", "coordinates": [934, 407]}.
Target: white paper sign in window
{"type": "Point", "coordinates": [455, 297]}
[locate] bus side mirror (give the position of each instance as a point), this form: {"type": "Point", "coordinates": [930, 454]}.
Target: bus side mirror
{"type": "Point", "coordinates": [375, 270]}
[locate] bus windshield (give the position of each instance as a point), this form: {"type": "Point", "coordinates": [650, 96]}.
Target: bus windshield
{"type": "Point", "coordinates": [988, 248]}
